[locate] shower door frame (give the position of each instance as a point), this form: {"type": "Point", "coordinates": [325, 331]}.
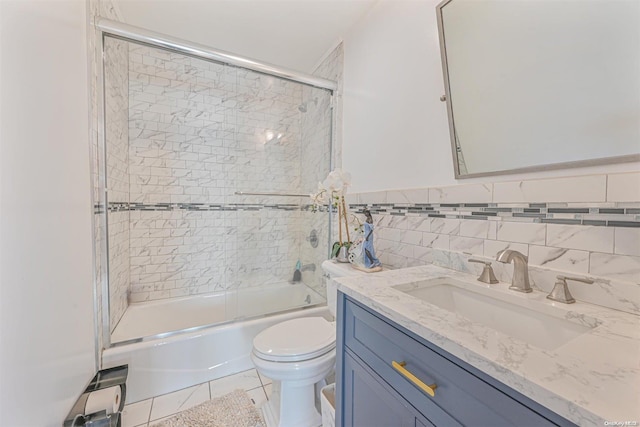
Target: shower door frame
{"type": "Point", "coordinates": [130, 33]}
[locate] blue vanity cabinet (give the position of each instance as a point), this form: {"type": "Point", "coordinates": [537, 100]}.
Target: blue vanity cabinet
{"type": "Point", "coordinates": [372, 392]}
{"type": "Point", "coordinates": [384, 406]}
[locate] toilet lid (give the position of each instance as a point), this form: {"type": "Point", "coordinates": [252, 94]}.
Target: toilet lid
{"type": "Point", "coordinates": [295, 340]}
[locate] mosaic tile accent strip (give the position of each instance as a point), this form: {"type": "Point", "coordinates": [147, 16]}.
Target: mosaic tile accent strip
{"type": "Point", "coordinates": [124, 206]}
{"type": "Point", "coordinates": [550, 213]}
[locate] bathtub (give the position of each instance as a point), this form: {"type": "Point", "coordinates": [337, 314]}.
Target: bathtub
{"type": "Point", "coordinates": [167, 362]}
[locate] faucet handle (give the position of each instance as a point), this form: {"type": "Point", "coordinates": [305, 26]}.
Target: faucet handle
{"type": "Point", "coordinates": [575, 279]}
{"type": "Point", "coordinates": [560, 290]}
{"type": "Point", "coordinates": [487, 275]}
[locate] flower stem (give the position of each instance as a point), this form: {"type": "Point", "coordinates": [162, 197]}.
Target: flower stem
{"type": "Point", "coordinates": [340, 224]}
{"type": "Point", "coordinates": [346, 220]}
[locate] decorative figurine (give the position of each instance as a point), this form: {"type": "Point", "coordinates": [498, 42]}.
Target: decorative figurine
{"type": "Point", "coordinates": [362, 255]}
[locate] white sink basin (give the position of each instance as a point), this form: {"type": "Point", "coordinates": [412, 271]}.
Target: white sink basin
{"type": "Point", "coordinates": [519, 316]}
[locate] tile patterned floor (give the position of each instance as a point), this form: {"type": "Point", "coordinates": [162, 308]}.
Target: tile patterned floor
{"type": "Point", "coordinates": [152, 411]}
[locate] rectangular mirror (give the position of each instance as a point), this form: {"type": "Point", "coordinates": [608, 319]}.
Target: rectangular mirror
{"type": "Point", "coordinates": [535, 85]}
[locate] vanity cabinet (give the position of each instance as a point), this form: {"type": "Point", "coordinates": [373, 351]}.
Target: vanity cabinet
{"type": "Point", "coordinates": [385, 407]}
{"type": "Point", "coordinates": [373, 391]}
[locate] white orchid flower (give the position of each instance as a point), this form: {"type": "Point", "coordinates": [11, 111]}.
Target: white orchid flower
{"type": "Point", "coordinates": [332, 183]}
{"type": "Point", "coordinates": [332, 189]}
{"type": "Point", "coordinates": [337, 181]}
{"type": "Point", "coordinates": [346, 178]}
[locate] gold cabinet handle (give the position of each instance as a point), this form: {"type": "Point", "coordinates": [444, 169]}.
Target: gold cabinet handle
{"type": "Point", "coordinates": [400, 367]}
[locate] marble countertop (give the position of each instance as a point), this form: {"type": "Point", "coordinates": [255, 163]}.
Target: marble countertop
{"type": "Point", "coordinates": [593, 379]}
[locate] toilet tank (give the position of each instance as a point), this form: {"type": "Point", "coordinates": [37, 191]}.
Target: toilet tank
{"type": "Point", "coordinates": [332, 269]}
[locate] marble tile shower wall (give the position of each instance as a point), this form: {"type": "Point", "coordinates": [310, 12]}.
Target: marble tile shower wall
{"type": "Point", "coordinates": [116, 78]}
{"type": "Point", "coordinates": [186, 252]}
{"type": "Point", "coordinates": [317, 129]}
{"type": "Point", "coordinates": [583, 226]}
{"type": "Point", "coordinates": [332, 68]}
{"type": "Point", "coordinates": [97, 8]}
{"type": "Point", "coordinates": [198, 132]}
{"type": "Point", "coordinates": [198, 129]}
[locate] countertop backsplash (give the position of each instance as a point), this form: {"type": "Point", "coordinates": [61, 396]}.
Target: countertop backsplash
{"type": "Point", "coordinates": [586, 226]}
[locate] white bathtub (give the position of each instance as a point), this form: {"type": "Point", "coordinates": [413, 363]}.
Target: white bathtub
{"type": "Point", "coordinates": [165, 364]}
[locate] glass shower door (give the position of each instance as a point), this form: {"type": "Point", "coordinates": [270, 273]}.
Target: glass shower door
{"type": "Point", "coordinates": [280, 153]}
{"type": "Point", "coordinates": [183, 136]}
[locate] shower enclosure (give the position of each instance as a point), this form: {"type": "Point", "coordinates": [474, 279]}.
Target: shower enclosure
{"type": "Point", "coordinates": [206, 163]}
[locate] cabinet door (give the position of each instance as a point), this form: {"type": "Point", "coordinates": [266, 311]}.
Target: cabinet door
{"type": "Point", "coordinates": [370, 402]}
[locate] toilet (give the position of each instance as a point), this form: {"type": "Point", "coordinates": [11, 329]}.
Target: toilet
{"type": "Point", "coordinates": [297, 354]}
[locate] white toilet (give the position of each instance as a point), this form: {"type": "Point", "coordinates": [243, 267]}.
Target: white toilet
{"type": "Point", "coordinates": [297, 354]}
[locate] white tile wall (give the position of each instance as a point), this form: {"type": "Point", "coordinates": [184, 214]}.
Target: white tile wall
{"type": "Point", "coordinates": [580, 237]}
{"type": "Point", "coordinates": [435, 240]}
{"type": "Point", "coordinates": [119, 267]}
{"type": "Point", "coordinates": [467, 245]}
{"type": "Point", "coordinates": [627, 241]}
{"type": "Point", "coordinates": [332, 68]}
{"type": "Point", "coordinates": [200, 131]}
{"type": "Point", "coordinates": [106, 9]}
{"type": "Point", "coordinates": [623, 187]}
{"type": "Point", "coordinates": [590, 188]}
{"type": "Point", "coordinates": [521, 232]}
{"type": "Point", "coordinates": [617, 267]}
{"type": "Point", "coordinates": [116, 105]}
{"type": "Point", "coordinates": [492, 247]}
{"type": "Point", "coordinates": [316, 129]}
{"type": "Point", "coordinates": [474, 228]}
{"type": "Point", "coordinates": [195, 132]}
{"type": "Point", "coordinates": [445, 226]}
{"type": "Point", "coordinates": [467, 193]}
{"type": "Point", "coordinates": [559, 258]}
{"type": "Point", "coordinates": [419, 195]}
{"type": "Point", "coordinates": [611, 255]}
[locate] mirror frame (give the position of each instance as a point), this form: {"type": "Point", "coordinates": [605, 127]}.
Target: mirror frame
{"type": "Point", "coordinates": [535, 168]}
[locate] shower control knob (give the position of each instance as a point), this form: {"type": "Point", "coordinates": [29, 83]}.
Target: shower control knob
{"type": "Point", "coordinates": [313, 238]}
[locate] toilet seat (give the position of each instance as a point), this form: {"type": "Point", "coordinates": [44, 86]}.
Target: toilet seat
{"type": "Point", "coordinates": [295, 340]}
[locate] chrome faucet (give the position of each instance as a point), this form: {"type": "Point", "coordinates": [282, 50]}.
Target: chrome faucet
{"type": "Point", "coordinates": [520, 281]}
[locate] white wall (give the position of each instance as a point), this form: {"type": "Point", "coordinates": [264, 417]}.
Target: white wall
{"type": "Point", "coordinates": [46, 297]}
{"type": "Point", "coordinates": [395, 127]}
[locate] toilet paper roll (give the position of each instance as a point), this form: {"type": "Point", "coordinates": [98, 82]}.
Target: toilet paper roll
{"type": "Point", "coordinates": [104, 399]}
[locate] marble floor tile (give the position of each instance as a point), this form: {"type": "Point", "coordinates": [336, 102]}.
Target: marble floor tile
{"type": "Point", "coordinates": [246, 380]}
{"type": "Point", "coordinates": [264, 380]}
{"type": "Point", "coordinates": [258, 396]}
{"type": "Point", "coordinates": [178, 401]}
{"type": "Point", "coordinates": [267, 390]}
{"type": "Point", "coordinates": [136, 414]}
{"type": "Point", "coordinates": [154, 411]}
{"type": "Point", "coordinates": [159, 420]}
